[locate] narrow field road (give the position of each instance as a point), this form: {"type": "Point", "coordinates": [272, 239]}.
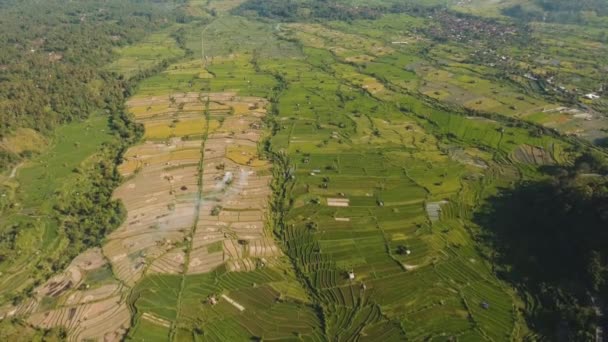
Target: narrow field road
{"type": "Point", "coordinates": [14, 171]}
{"type": "Point", "coordinates": [199, 203]}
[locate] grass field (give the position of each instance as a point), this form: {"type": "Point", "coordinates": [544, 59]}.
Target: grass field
{"type": "Point", "coordinates": [146, 54]}
{"type": "Point", "coordinates": [388, 179]}
{"type": "Point", "coordinates": [36, 187]}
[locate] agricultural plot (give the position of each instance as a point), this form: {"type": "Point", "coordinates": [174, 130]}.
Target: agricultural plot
{"type": "Point", "coordinates": [147, 54]}
{"type": "Point", "coordinates": [231, 36]}
{"type": "Point", "coordinates": [224, 305]}
{"type": "Point", "coordinates": [32, 191]}
{"type": "Point", "coordinates": [235, 193]}
{"type": "Point", "coordinates": [444, 73]}
{"type": "Point", "coordinates": [162, 194]}
{"type": "Point", "coordinates": [379, 200]}
{"type": "Point", "coordinates": [197, 195]}
{"type": "Point", "coordinates": [85, 299]}
{"type": "Point", "coordinates": [161, 204]}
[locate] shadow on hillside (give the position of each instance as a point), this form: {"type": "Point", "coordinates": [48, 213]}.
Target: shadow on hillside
{"type": "Point", "coordinates": [537, 245]}
{"type": "Point", "coordinates": [602, 142]}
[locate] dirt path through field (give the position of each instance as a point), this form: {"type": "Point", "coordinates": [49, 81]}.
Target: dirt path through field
{"type": "Point", "coordinates": [190, 238]}
{"type": "Point", "coordinates": [14, 171]}
{"type": "Point", "coordinates": [195, 200]}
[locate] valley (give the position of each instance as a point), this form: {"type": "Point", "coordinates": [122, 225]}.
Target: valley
{"type": "Point", "coordinates": [308, 179]}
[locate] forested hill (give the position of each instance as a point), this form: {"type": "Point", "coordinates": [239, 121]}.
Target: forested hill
{"type": "Point", "coordinates": [292, 10]}
{"type": "Point", "coordinates": [556, 249]}
{"type": "Point", "coordinates": [50, 57]}
{"type": "Point", "coordinates": [558, 10]}
{"type": "Point", "coordinates": [600, 6]}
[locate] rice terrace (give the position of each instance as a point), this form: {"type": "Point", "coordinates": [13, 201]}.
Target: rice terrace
{"type": "Point", "coordinates": [303, 170]}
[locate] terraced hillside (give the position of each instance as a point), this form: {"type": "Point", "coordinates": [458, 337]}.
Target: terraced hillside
{"type": "Point", "coordinates": [311, 180]}
{"type": "Point", "coordinates": [197, 193]}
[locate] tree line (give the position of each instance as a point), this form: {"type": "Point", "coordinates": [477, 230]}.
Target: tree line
{"type": "Point", "coordinates": [298, 10]}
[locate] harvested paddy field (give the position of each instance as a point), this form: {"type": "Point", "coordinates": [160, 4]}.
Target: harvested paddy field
{"type": "Point", "coordinates": [197, 198]}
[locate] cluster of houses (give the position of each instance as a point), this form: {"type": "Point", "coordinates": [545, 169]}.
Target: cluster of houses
{"type": "Point", "coordinates": [550, 80]}
{"type": "Point", "coordinates": [468, 29]}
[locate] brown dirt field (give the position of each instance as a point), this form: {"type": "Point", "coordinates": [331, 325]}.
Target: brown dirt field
{"type": "Point", "coordinates": [534, 155]}
{"type": "Point", "coordinates": [237, 188]}
{"type": "Point", "coordinates": [103, 320]}
{"type": "Point", "coordinates": [72, 276]}
{"type": "Point", "coordinates": [169, 263]}
{"type": "Point", "coordinates": [360, 59]}
{"type": "Point", "coordinates": [83, 297]}
{"type": "Point", "coordinates": [161, 197]}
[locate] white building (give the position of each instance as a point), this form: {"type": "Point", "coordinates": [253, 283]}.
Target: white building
{"type": "Point", "coordinates": [592, 96]}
